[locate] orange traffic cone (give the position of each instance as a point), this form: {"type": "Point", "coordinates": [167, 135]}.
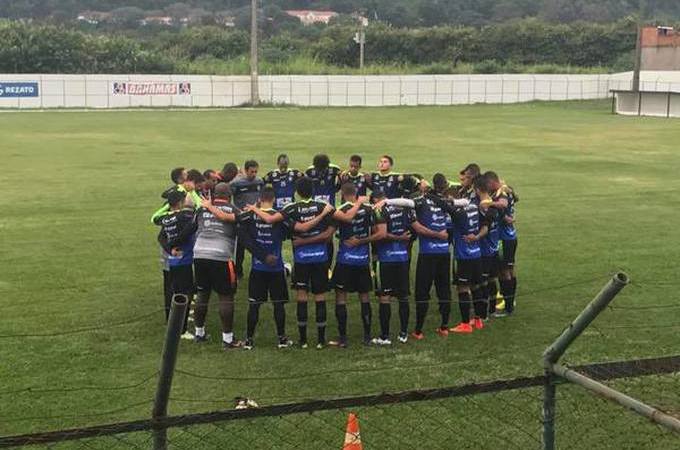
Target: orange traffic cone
{"type": "Point", "coordinates": [352, 436]}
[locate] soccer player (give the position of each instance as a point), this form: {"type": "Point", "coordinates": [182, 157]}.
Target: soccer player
{"type": "Point", "coordinates": [229, 172]}
{"type": "Point", "coordinates": [434, 260]}
{"type": "Point", "coordinates": [390, 183]}
{"type": "Point", "coordinates": [392, 276]}
{"type": "Point", "coordinates": [246, 191]}
{"type": "Point", "coordinates": [353, 175]}
{"type": "Point", "coordinates": [324, 176]}
{"type": "Point", "coordinates": [283, 181]}
{"type": "Point", "coordinates": [352, 273]}
{"type": "Point", "coordinates": [312, 229]}
{"type": "Point", "coordinates": [266, 280]}
{"type": "Point", "coordinates": [176, 237]}
{"type": "Point", "coordinates": [214, 263]}
{"type": "Point", "coordinates": [467, 177]}
{"type": "Point", "coordinates": [467, 232]}
{"type": "Point", "coordinates": [489, 243]}
{"type": "Point", "coordinates": [506, 198]}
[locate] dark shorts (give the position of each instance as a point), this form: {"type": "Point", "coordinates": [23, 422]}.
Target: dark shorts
{"type": "Point", "coordinates": [468, 271]}
{"type": "Point", "coordinates": [311, 277]}
{"type": "Point", "coordinates": [182, 280]}
{"type": "Point", "coordinates": [392, 279]}
{"type": "Point", "coordinates": [509, 248]}
{"type": "Point", "coordinates": [349, 278]}
{"type": "Point", "coordinates": [433, 269]}
{"type": "Point", "coordinates": [491, 266]}
{"type": "Point", "coordinates": [263, 285]}
{"type": "Point", "coordinates": [218, 276]}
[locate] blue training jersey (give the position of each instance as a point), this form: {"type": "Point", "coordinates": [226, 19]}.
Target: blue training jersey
{"type": "Point", "coordinates": [269, 236]}
{"type": "Point", "coordinates": [398, 221]}
{"type": "Point", "coordinates": [325, 183]}
{"type": "Point", "coordinates": [360, 227]}
{"type": "Point", "coordinates": [466, 221]}
{"type": "Point", "coordinates": [283, 184]}
{"type": "Point", "coordinates": [431, 214]}
{"type": "Point", "coordinates": [304, 211]}
{"type": "Point", "coordinates": [507, 231]}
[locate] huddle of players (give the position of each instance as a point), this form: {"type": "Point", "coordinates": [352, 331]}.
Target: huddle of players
{"type": "Point", "coordinates": [201, 224]}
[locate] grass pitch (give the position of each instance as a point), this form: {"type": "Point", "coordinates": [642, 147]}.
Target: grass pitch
{"type": "Point", "coordinates": [598, 194]}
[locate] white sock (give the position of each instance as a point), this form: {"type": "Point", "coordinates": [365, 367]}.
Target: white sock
{"type": "Point", "coordinates": [228, 337]}
{"type": "Point", "coordinates": [200, 331]}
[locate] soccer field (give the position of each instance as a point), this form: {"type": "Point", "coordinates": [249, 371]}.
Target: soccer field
{"type": "Point", "coordinates": [599, 193]}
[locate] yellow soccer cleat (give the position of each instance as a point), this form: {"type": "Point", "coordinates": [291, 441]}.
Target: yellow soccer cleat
{"type": "Point", "coordinates": [500, 302]}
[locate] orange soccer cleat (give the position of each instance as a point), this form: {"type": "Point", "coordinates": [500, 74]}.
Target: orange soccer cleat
{"type": "Point", "coordinates": [462, 328]}
{"type": "Point", "coordinates": [418, 335]}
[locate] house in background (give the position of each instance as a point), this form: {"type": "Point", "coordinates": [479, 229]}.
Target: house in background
{"type": "Point", "coordinates": [660, 48]}
{"type": "Point", "coordinates": [309, 17]}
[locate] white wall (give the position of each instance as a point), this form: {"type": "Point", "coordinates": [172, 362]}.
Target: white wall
{"type": "Point", "coordinates": [96, 91]}
{"type": "Point", "coordinates": [645, 103]}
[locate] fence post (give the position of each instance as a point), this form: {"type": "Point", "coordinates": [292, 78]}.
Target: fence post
{"type": "Point", "coordinates": [180, 303]}
{"type": "Point", "coordinates": [453, 83]}
{"type": "Point", "coordinates": [553, 353]}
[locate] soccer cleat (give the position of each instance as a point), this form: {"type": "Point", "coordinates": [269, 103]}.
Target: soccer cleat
{"type": "Point", "coordinates": [368, 341]}
{"type": "Point", "coordinates": [231, 345]}
{"type": "Point", "coordinates": [442, 331]}
{"type": "Point", "coordinates": [501, 314]}
{"type": "Point", "coordinates": [284, 342]}
{"type": "Point", "coordinates": [462, 328]}
{"type": "Point", "coordinates": [303, 344]}
{"type": "Point", "coordinates": [320, 345]}
{"type": "Point", "coordinates": [418, 335]}
{"type": "Point", "coordinates": [187, 336]}
{"type": "Point", "coordinates": [382, 342]}
{"type": "Point", "coordinates": [200, 339]}
{"type": "Point", "coordinates": [341, 342]}
{"type": "Point", "coordinates": [248, 344]}
{"type": "Point", "coordinates": [478, 323]}
{"type": "Point", "coordinates": [403, 338]}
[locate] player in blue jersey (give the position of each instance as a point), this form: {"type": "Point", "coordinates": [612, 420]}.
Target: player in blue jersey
{"type": "Point", "coordinates": [392, 184]}
{"type": "Point", "coordinates": [434, 260]}
{"type": "Point", "coordinates": [355, 220]}
{"type": "Point", "coordinates": [324, 176]}
{"type": "Point", "coordinates": [467, 232]}
{"type": "Point", "coordinates": [490, 242]}
{"type": "Point", "coordinates": [393, 268]}
{"type": "Point", "coordinates": [467, 177]}
{"type": "Point", "coordinates": [505, 199]}
{"type": "Point", "coordinates": [354, 175]}
{"type": "Point", "coordinates": [283, 181]}
{"type": "Point", "coordinates": [312, 227]}
{"type": "Point", "coordinates": [267, 277]}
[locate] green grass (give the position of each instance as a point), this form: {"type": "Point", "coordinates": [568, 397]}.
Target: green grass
{"type": "Point", "coordinates": [598, 194]}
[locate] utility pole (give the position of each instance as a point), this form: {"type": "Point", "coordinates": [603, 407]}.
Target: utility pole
{"type": "Point", "coordinates": [360, 38]}
{"type": "Point", "coordinates": [638, 59]}
{"type": "Point", "coordinates": [254, 87]}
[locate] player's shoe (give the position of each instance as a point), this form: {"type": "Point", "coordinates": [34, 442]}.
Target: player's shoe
{"type": "Point", "coordinates": [248, 344]}
{"type": "Point", "coordinates": [368, 341]}
{"type": "Point", "coordinates": [501, 314]}
{"type": "Point", "coordinates": [200, 339]}
{"type": "Point", "coordinates": [341, 342]}
{"type": "Point", "coordinates": [478, 323]}
{"type": "Point", "coordinates": [418, 335]}
{"type": "Point", "coordinates": [231, 345]}
{"type": "Point", "coordinates": [442, 331]}
{"type": "Point", "coordinates": [403, 338]}
{"type": "Point", "coordinates": [284, 342]}
{"type": "Point", "coordinates": [320, 345]}
{"type": "Point", "coordinates": [187, 336]}
{"type": "Point", "coordinates": [303, 344]}
{"type": "Point", "coordinates": [288, 269]}
{"type": "Point", "coordinates": [462, 328]}
{"type": "Point", "coordinates": [382, 342]}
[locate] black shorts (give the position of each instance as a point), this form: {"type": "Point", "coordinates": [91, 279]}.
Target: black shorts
{"type": "Point", "coordinates": [469, 271]}
{"type": "Point", "coordinates": [491, 266]}
{"type": "Point", "coordinates": [433, 269]}
{"type": "Point", "coordinates": [349, 278]}
{"type": "Point", "coordinates": [182, 280]}
{"type": "Point", "coordinates": [509, 248]}
{"type": "Point", "coordinates": [263, 285]}
{"type": "Point", "coordinates": [311, 277]}
{"type": "Point", "coordinates": [218, 276]}
{"type": "Point", "coordinates": [392, 279]}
